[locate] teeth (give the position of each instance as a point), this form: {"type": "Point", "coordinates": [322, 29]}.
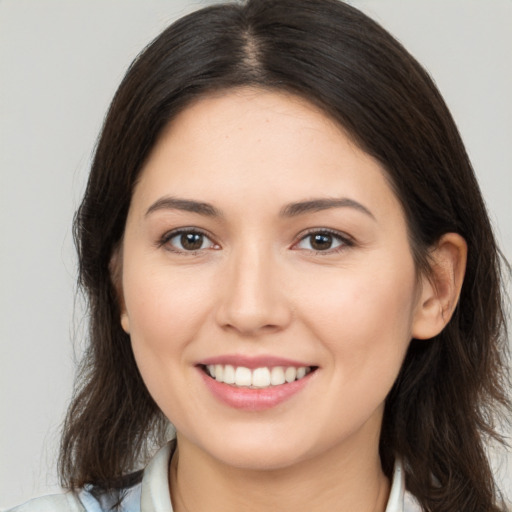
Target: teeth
{"type": "Point", "coordinates": [229, 374]}
{"type": "Point", "coordinates": [277, 376]}
{"type": "Point", "coordinates": [243, 376]}
{"type": "Point", "coordinates": [259, 377]}
{"type": "Point", "coordinates": [290, 374]}
{"type": "Point", "coordinates": [219, 372]}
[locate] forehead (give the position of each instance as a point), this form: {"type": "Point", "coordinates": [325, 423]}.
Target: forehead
{"type": "Point", "coordinates": [235, 110]}
{"type": "Point", "coordinates": [260, 144]}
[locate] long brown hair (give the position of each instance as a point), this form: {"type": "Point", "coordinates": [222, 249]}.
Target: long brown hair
{"type": "Point", "coordinates": [446, 400]}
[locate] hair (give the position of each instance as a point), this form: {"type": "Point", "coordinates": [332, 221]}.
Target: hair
{"type": "Point", "coordinates": [451, 392]}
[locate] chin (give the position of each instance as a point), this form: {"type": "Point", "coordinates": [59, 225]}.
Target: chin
{"type": "Point", "coordinates": [268, 459]}
{"type": "Point", "coordinates": [253, 452]}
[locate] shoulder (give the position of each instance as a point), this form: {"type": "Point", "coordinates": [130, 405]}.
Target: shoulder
{"type": "Point", "coordinates": [400, 499]}
{"type": "Point", "coordinates": [122, 500]}
{"type": "Point", "coordinates": [68, 502]}
{"type": "Point", "coordinates": [411, 503]}
{"type": "Point", "coordinates": [87, 500]}
{"type": "Point", "coordinates": [146, 490]}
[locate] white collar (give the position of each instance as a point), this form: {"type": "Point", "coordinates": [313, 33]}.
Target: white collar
{"type": "Point", "coordinates": [155, 495]}
{"type": "Point", "coordinates": [396, 495]}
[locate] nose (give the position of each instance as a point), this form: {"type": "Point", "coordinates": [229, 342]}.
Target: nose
{"type": "Point", "coordinates": [253, 300]}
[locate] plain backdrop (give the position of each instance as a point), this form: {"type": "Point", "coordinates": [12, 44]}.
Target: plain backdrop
{"type": "Point", "coordinates": [60, 63]}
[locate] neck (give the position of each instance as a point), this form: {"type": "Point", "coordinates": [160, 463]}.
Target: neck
{"type": "Point", "coordinates": [340, 480]}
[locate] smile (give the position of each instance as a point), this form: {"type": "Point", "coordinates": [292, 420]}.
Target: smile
{"type": "Point", "coordinates": [255, 383]}
{"type": "Point", "coordinates": [256, 378]}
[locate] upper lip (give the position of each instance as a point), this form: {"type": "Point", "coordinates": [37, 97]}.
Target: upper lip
{"type": "Point", "coordinates": [252, 362]}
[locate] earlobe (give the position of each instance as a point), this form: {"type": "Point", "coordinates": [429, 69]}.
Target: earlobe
{"type": "Point", "coordinates": [441, 288]}
{"type": "Point", "coordinates": [116, 271]}
{"type": "Point", "coordinates": [125, 322]}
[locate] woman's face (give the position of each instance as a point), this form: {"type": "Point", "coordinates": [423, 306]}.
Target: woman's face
{"type": "Point", "coordinates": [261, 247]}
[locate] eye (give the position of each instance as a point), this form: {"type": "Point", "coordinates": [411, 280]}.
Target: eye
{"type": "Point", "coordinates": [323, 241]}
{"type": "Point", "coordinates": [187, 240]}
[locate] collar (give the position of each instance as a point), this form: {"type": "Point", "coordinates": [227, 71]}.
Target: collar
{"type": "Point", "coordinates": [396, 495]}
{"type": "Point", "coordinates": [155, 495]}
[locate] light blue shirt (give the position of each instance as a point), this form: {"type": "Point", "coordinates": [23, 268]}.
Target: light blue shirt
{"type": "Point", "coordinates": [152, 494]}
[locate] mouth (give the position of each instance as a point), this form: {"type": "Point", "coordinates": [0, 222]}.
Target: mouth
{"type": "Point", "coordinates": [256, 378]}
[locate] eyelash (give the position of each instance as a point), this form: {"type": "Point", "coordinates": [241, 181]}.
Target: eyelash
{"type": "Point", "coordinates": [167, 237]}
{"type": "Point", "coordinates": [345, 241]}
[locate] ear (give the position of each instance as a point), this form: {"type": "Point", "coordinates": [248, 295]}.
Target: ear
{"type": "Point", "coordinates": [116, 275]}
{"type": "Point", "coordinates": [440, 289]}
{"type": "Point", "coordinates": [125, 322]}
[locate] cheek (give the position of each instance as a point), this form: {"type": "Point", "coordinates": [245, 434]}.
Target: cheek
{"type": "Point", "coordinates": [365, 319]}
{"type": "Point", "coordinates": [165, 308]}
{"type": "Point", "coordinates": [157, 297]}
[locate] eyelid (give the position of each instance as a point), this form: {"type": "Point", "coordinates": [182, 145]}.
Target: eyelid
{"type": "Point", "coordinates": [169, 235]}
{"type": "Point", "coordinates": [347, 241]}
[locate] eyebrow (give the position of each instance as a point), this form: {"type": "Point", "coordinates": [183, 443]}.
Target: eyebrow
{"type": "Point", "coordinates": [290, 210]}
{"type": "Point", "coordinates": [187, 205]}
{"type": "Point", "coordinates": [316, 205]}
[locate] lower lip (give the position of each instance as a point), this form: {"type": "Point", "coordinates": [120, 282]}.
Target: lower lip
{"type": "Point", "coordinates": [249, 399]}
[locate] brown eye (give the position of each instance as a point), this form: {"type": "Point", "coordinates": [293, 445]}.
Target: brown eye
{"type": "Point", "coordinates": [188, 241]}
{"type": "Point", "coordinates": [191, 241]}
{"type": "Point", "coordinates": [323, 241]}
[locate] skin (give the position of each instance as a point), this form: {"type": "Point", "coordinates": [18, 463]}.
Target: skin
{"type": "Point", "coordinates": [257, 287]}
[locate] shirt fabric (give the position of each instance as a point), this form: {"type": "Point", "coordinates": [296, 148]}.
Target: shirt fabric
{"type": "Point", "coordinates": [152, 493]}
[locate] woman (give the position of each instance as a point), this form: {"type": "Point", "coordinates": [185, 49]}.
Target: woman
{"type": "Point", "coordinates": [287, 257]}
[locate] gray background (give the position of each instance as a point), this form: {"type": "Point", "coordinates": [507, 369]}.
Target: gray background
{"type": "Point", "coordinates": [60, 62]}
